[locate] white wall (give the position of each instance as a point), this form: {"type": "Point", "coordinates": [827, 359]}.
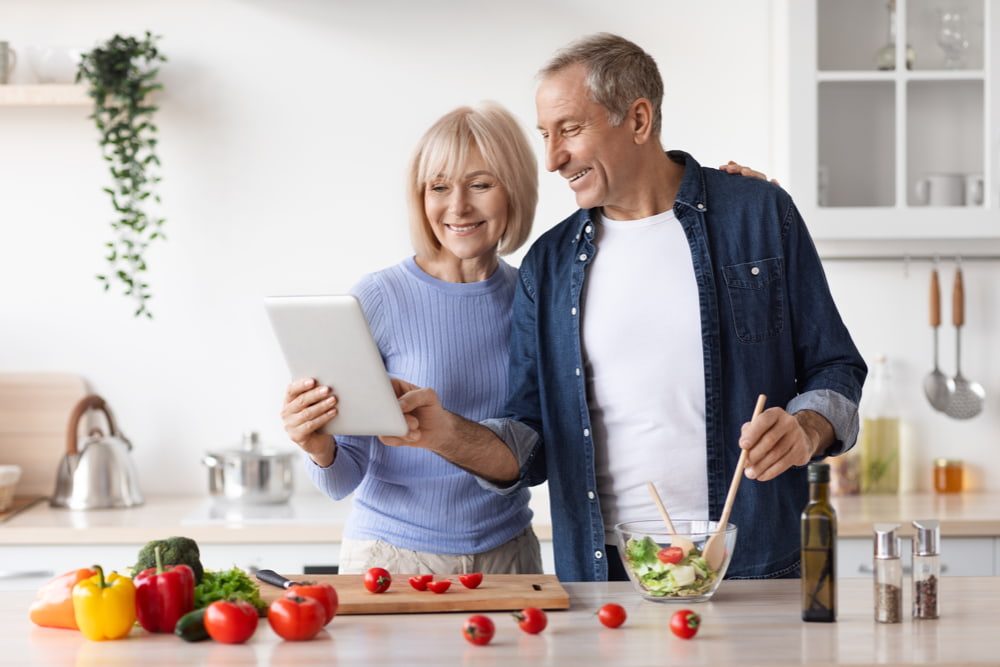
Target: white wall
{"type": "Point", "coordinates": [285, 127]}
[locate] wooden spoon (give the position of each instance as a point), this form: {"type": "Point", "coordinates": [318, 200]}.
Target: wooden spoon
{"type": "Point", "coordinates": [715, 548]}
{"type": "Point", "coordinates": [676, 540]}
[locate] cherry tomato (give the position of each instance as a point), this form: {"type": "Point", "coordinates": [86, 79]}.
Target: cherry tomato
{"type": "Point", "coordinates": [471, 580]}
{"type": "Point", "coordinates": [325, 594]}
{"type": "Point", "coordinates": [378, 580]}
{"type": "Point", "coordinates": [295, 617]}
{"type": "Point", "coordinates": [684, 623]}
{"type": "Point", "coordinates": [419, 582]}
{"type": "Point", "coordinates": [531, 619]}
{"type": "Point", "coordinates": [438, 586]}
{"type": "Point", "coordinates": [670, 554]}
{"type": "Point", "coordinates": [230, 621]}
{"type": "Point", "coordinates": [478, 630]}
{"type": "Point", "coordinates": [612, 615]}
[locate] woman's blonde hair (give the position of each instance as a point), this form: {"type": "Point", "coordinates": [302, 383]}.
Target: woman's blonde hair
{"type": "Point", "coordinates": [444, 149]}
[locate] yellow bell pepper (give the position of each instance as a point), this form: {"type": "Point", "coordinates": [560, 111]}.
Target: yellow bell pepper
{"type": "Point", "coordinates": [104, 607]}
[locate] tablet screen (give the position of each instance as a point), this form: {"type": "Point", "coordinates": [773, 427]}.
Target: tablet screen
{"type": "Point", "coordinates": [327, 337]}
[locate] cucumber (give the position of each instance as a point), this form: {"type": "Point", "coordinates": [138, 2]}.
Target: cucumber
{"type": "Point", "coordinates": [191, 626]}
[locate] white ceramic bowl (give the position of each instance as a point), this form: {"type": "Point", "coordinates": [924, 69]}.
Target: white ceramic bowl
{"type": "Point", "coordinates": [690, 580]}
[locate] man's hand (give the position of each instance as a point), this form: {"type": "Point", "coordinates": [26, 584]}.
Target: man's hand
{"type": "Point", "coordinates": [736, 168]}
{"type": "Point", "coordinates": [465, 443]}
{"type": "Point", "coordinates": [775, 441]}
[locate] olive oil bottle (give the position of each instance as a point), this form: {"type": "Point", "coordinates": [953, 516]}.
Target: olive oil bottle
{"type": "Point", "coordinates": [880, 435]}
{"type": "Point", "coordinates": [819, 547]}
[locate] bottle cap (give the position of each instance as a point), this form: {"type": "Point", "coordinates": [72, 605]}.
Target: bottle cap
{"type": "Point", "coordinates": [886, 541]}
{"type": "Point", "coordinates": [818, 472]}
{"type": "Point", "coordinates": [928, 537]}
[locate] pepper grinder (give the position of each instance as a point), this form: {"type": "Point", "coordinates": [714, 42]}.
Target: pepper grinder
{"type": "Point", "coordinates": [926, 569]}
{"type": "Point", "coordinates": [888, 574]}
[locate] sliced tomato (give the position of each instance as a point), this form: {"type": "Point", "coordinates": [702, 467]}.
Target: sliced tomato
{"type": "Point", "coordinates": [471, 580]}
{"type": "Point", "coordinates": [419, 582]}
{"type": "Point", "coordinates": [670, 554]}
{"type": "Point", "coordinates": [438, 586]}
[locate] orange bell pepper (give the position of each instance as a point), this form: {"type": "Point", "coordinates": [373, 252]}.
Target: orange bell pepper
{"type": "Point", "coordinates": [53, 606]}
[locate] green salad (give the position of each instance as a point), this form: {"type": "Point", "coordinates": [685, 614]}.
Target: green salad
{"type": "Point", "coordinates": [687, 576]}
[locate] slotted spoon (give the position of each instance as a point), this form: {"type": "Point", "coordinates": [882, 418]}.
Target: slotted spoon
{"type": "Point", "coordinates": [968, 398]}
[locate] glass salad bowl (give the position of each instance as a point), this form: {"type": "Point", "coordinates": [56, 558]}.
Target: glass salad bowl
{"type": "Point", "coordinates": [660, 571]}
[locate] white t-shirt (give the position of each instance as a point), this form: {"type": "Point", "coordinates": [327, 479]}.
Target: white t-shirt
{"type": "Point", "coordinates": [643, 356]}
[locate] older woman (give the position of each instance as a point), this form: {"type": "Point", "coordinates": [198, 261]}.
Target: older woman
{"type": "Point", "coordinates": [441, 319]}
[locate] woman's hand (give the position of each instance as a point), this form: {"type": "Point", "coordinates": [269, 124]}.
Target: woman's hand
{"type": "Point", "coordinates": [307, 409]}
{"type": "Point", "coordinates": [736, 168]}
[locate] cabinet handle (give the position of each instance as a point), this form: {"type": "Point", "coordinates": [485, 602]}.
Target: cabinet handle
{"type": "Point", "coordinates": [27, 574]}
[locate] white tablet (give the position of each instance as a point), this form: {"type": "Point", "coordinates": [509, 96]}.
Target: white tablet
{"type": "Point", "coordinates": [327, 337]}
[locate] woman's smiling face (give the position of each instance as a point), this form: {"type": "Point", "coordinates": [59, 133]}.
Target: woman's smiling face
{"type": "Point", "coordinates": [467, 211]}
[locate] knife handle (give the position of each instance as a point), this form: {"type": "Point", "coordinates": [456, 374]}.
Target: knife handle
{"type": "Point", "coordinates": [273, 578]}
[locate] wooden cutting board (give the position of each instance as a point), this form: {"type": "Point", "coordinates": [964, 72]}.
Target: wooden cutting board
{"type": "Point", "coordinates": [34, 415]}
{"type": "Point", "coordinates": [498, 592]}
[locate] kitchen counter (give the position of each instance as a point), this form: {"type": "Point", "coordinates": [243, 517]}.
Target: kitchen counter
{"type": "Point", "coordinates": [313, 518]}
{"type": "Point", "coordinates": [747, 623]}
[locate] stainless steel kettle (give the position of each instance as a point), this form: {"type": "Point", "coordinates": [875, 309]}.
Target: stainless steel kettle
{"type": "Point", "coordinates": [100, 474]}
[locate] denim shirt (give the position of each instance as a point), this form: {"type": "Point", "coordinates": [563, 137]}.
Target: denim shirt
{"type": "Point", "coordinates": [769, 326]}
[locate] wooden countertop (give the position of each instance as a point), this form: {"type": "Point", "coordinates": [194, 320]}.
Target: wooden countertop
{"type": "Point", "coordinates": [312, 518]}
{"type": "Point", "coordinates": [747, 623]}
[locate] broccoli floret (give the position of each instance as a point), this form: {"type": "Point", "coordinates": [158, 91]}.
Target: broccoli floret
{"type": "Point", "coordinates": [173, 551]}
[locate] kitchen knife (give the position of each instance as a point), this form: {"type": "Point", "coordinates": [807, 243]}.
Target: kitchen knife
{"type": "Point", "coordinates": [275, 579]}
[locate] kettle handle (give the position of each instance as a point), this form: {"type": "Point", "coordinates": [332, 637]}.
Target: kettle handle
{"type": "Point", "coordinates": [89, 402]}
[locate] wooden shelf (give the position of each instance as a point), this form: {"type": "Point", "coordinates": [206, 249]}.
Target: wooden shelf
{"type": "Point", "coordinates": [44, 94]}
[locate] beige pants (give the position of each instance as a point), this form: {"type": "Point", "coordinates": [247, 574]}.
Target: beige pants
{"type": "Point", "coordinates": [520, 555]}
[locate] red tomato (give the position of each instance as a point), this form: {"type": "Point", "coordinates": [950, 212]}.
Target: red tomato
{"type": "Point", "coordinates": [684, 623]}
{"type": "Point", "coordinates": [378, 580]}
{"type": "Point", "coordinates": [325, 594]}
{"type": "Point", "coordinates": [438, 586]}
{"type": "Point", "coordinates": [670, 554]}
{"type": "Point", "coordinates": [531, 619]}
{"type": "Point", "coordinates": [419, 582]}
{"type": "Point", "coordinates": [478, 630]}
{"type": "Point", "coordinates": [471, 580]}
{"type": "Point", "coordinates": [230, 621]}
{"type": "Point", "coordinates": [612, 615]}
{"type": "Point", "coordinates": [295, 617]}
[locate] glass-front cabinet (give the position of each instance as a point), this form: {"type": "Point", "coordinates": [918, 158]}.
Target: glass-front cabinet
{"type": "Point", "coordinates": [894, 117]}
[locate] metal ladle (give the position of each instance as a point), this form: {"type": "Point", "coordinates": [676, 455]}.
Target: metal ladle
{"type": "Point", "coordinates": [937, 386]}
{"type": "Point", "coordinates": [968, 398]}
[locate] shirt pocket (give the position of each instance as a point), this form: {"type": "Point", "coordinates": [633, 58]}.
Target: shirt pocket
{"type": "Point", "coordinates": [757, 297]}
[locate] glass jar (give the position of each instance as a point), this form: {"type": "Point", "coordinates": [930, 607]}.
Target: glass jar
{"type": "Point", "coordinates": [947, 476]}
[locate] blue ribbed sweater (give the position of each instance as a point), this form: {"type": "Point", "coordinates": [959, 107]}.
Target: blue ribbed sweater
{"type": "Point", "coordinates": [453, 337]}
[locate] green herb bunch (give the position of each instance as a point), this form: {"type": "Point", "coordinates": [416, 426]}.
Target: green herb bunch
{"type": "Point", "coordinates": [122, 74]}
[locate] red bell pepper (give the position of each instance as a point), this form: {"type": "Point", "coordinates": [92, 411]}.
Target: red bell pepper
{"type": "Point", "coordinates": [163, 595]}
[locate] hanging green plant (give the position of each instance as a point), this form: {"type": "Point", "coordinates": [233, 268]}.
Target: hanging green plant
{"type": "Point", "coordinates": [122, 74]}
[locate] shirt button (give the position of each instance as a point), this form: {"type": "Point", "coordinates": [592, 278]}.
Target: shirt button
{"type": "Point", "coordinates": [590, 495]}
{"type": "Point", "coordinates": [588, 229]}
{"type": "Point", "coordinates": [586, 432]}
{"type": "Point", "coordinates": [701, 207]}
{"type": "Point", "coordinates": [598, 554]}
{"type": "Point", "coordinates": [583, 257]}
{"type": "Point", "coordinates": [578, 372]}
{"type": "Point", "coordinates": [573, 311]}
{"type": "Point", "coordinates": [754, 271]}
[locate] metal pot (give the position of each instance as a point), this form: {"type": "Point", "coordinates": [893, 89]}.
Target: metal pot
{"type": "Point", "coordinates": [251, 474]}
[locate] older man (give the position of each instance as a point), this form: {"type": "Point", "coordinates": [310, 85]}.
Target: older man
{"type": "Point", "coordinates": [646, 324]}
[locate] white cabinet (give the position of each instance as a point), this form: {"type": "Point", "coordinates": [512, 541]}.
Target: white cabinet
{"type": "Point", "coordinates": [862, 140]}
{"type": "Point", "coordinates": [960, 556]}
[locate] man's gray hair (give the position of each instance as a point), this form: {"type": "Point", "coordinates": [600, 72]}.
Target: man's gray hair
{"type": "Point", "coordinates": [618, 73]}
